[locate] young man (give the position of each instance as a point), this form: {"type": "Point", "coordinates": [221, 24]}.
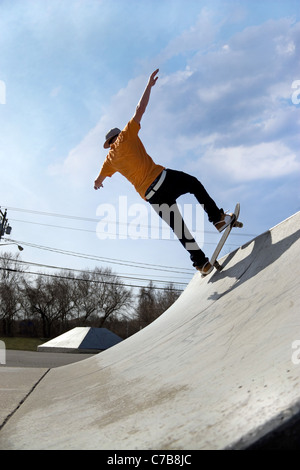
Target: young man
{"type": "Point", "coordinates": [156, 184]}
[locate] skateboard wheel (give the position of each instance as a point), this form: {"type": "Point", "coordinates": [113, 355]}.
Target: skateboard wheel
{"type": "Point", "coordinates": [238, 224]}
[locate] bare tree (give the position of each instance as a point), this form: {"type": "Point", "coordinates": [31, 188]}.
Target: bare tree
{"type": "Point", "coordinates": [51, 299]}
{"type": "Point", "coordinates": [85, 302]}
{"type": "Point", "coordinates": [92, 297]}
{"type": "Point", "coordinates": [153, 302]}
{"type": "Point", "coordinates": [166, 297]}
{"type": "Point", "coordinates": [147, 305]}
{"type": "Point", "coordinates": [10, 305]}
{"type": "Point", "coordinates": [102, 295]}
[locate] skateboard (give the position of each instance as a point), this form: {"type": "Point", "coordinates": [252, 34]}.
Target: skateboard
{"type": "Point", "coordinates": [235, 223]}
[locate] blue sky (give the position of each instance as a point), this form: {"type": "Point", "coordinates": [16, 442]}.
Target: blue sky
{"type": "Point", "coordinates": [221, 110]}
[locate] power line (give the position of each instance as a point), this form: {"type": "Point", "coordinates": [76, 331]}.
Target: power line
{"type": "Point", "coordinates": [115, 235]}
{"type": "Point", "coordinates": [27, 263]}
{"type": "Point", "coordinates": [140, 265]}
{"type": "Point", "coordinates": [52, 214]}
{"type": "Point", "coordinates": [166, 269]}
{"type": "Point", "coordinates": [92, 219]}
{"type": "Point", "coordinates": [87, 230]}
{"type": "Point", "coordinates": [85, 280]}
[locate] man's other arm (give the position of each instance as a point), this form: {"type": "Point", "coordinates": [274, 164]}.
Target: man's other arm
{"type": "Point", "coordinates": [98, 182]}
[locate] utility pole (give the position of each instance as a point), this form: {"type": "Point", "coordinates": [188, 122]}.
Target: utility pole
{"type": "Point", "coordinates": [5, 229]}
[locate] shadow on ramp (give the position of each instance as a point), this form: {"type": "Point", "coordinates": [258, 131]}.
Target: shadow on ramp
{"type": "Point", "coordinates": [263, 253]}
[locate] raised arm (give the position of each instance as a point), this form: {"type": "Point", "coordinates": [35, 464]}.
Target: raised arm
{"type": "Point", "coordinates": [141, 107]}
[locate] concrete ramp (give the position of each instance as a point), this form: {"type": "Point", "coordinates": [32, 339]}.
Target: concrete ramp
{"type": "Point", "coordinates": [83, 339]}
{"type": "Point", "coordinates": [218, 370]}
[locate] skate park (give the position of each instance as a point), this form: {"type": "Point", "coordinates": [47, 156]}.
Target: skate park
{"type": "Point", "coordinates": [220, 369]}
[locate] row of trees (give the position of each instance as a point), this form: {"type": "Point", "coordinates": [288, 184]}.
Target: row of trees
{"type": "Point", "coordinates": [45, 305]}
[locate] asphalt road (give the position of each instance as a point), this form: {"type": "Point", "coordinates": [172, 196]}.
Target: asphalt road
{"type": "Point", "coordinates": [41, 359]}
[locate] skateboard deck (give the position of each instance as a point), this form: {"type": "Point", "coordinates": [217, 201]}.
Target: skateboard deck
{"type": "Point", "coordinates": [235, 223]}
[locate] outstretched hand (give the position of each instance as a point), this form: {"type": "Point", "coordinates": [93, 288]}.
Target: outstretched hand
{"type": "Point", "coordinates": [153, 78]}
{"type": "Point", "coordinates": [97, 185]}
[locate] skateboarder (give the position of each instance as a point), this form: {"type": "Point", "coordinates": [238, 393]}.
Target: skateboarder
{"type": "Point", "coordinates": [156, 184]}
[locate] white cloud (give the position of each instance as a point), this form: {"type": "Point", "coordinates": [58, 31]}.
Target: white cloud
{"type": "Point", "coordinates": [84, 161]}
{"type": "Point", "coordinates": [201, 35]}
{"type": "Point", "coordinates": [285, 46]}
{"type": "Point", "coordinates": [213, 93]}
{"type": "Point", "coordinates": [55, 91]}
{"type": "Point", "coordinates": [227, 108]}
{"type": "Point", "coordinates": [261, 161]}
{"type": "Point", "coordinates": [81, 159]}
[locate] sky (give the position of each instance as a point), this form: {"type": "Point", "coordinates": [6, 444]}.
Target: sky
{"type": "Point", "coordinates": [225, 109]}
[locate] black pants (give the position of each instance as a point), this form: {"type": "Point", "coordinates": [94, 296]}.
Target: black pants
{"type": "Point", "coordinates": [176, 184]}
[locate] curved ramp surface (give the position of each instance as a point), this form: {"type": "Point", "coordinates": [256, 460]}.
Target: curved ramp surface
{"type": "Point", "coordinates": [217, 370]}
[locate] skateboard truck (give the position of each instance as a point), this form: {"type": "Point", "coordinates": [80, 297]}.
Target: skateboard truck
{"type": "Point", "coordinates": [218, 266]}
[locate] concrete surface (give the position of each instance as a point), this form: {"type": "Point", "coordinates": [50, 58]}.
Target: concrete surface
{"type": "Point", "coordinates": [217, 370]}
{"type": "Point", "coordinates": [23, 371]}
{"type": "Point", "coordinates": [15, 384]}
